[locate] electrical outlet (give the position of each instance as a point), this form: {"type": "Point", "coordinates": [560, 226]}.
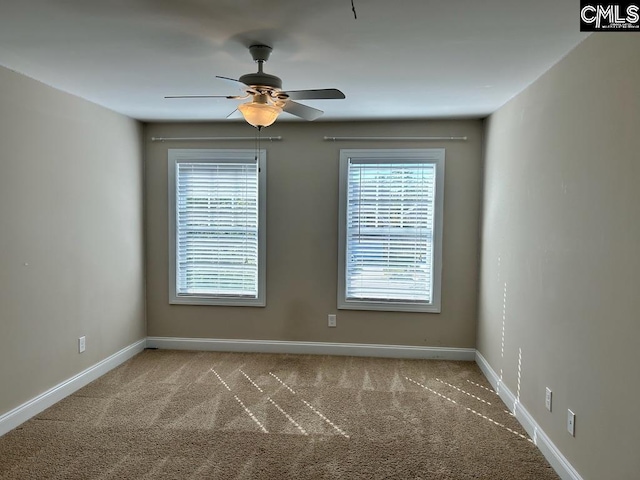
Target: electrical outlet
{"type": "Point", "coordinates": [82, 344]}
{"type": "Point", "coordinates": [332, 321]}
{"type": "Point", "coordinates": [571, 422]}
{"type": "Point", "coordinates": [547, 399]}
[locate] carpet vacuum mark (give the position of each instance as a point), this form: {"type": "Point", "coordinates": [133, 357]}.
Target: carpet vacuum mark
{"type": "Point", "coordinates": [206, 415]}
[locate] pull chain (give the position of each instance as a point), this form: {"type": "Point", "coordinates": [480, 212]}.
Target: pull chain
{"type": "Point", "coordinates": [258, 147]}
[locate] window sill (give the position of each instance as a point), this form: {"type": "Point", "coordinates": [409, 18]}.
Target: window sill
{"type": "Point", "coordinates": [388, 306]}
{"type": "Point", "coordinates": [216, 301]}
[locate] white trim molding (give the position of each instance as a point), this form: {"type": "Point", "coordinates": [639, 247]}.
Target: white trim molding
{"type": "Point", "coordinates": [558, 461]}
{"type": "Point", "coordinates": [31, 408]}
{"type": "Point", "coordinates": [253, 221]}
{"type": "Point", "coordinates": [425, 235]}
{"type": "Point", "coordinates": [312, 348]}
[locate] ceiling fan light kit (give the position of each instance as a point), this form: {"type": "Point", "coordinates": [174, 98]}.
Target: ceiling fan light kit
{"type": "Point", "coordinates": [259, 112]}
{"type": "Point", "coordinates": [268, 100]}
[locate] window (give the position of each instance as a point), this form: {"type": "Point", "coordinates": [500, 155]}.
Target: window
{"type": "Point", "coordinates": [390, 232]}
{"type": "Point", "coordinates": [217, 227]}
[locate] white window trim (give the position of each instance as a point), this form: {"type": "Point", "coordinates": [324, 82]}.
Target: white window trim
{"type": "Point", "coordinates": [431, 155]}
{"type": "Point", "coordinates": [194, 155]}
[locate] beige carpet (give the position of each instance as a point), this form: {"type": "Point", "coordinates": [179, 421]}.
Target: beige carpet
{"type": "Point", "coordinates": [190, 415]}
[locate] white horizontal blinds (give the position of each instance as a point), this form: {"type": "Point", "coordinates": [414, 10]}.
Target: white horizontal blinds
{"type": "Point", "coordinates": [390, 221]}
{"type": "Point", "coordinates": [217, 228]}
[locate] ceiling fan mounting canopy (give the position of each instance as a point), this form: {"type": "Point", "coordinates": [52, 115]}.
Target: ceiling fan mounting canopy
{"type": "Point", "coordinates": [260, 53]}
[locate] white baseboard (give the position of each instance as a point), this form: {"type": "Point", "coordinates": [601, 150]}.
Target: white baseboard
{"type": "Point", "coordinates": [24, 412]}
{"type": "Point", "coordinates": [313, 348]}
{"type": "Point", "coordinates": [559, 463]}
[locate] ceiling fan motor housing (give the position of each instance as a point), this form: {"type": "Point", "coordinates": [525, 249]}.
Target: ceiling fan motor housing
{"type": "Point", "coordinates": [261, 79]}
{"type": "Point", "coordinates": [260, 54]}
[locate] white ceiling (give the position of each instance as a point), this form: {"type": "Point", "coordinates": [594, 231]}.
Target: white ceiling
{"type": "Point", "coordinates": [400, 59]}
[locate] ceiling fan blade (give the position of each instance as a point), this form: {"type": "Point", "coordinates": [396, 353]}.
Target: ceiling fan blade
{"type": "Point", "coordinates": [236, 83]}
{"type": "Point", "coordinates": [322, 94]}
{"type": "Point", "coordinates": [302, 111]}
{"type": "Point", "coordinates": [229, 97]}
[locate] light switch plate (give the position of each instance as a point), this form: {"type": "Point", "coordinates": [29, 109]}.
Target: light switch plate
{"type": "Point", "coordinates": [547, 399]}
{"type": "Point", "coordinates": [571, 422]}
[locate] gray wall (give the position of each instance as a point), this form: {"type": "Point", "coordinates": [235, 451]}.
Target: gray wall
{"type": "Point", "coordinates": [560, 258]}
{"type": "Point", "coordinates": [71, 236]}
{"type": "Point", "coordinates": [302, 229]}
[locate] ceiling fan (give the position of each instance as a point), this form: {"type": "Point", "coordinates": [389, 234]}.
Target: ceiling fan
{"type": "Point", "coordinates": [268, 99]}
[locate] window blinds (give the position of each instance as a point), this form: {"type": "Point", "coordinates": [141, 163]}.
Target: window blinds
{"type": "Point", "coordinates": [217, 228]}
{"type": "Point", "coordinates": [390, 222]}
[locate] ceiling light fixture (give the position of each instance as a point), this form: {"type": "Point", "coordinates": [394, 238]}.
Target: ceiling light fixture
{"type": "Point", "coordinates": [260, 112]}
